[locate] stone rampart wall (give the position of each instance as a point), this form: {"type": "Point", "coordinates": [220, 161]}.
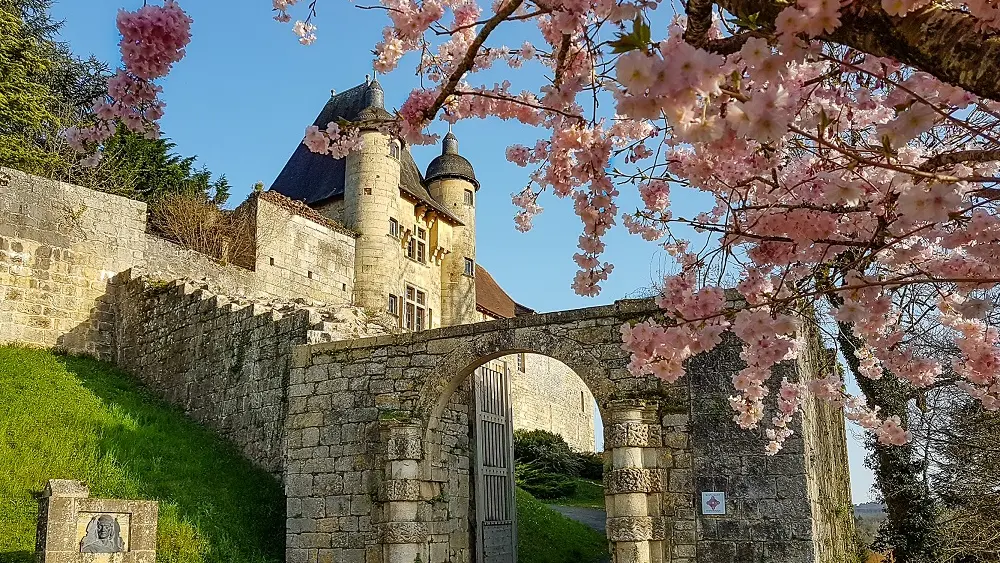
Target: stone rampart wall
{"type": "Point", "coordinates": [224, 361]}
{"type": "Point", "coordinates": [225, 364]}
{"type": "Point", "coordinates": [59, 246]}
{"type": "Point", "coordinates": [298, 257]}
{"type": "Point", "coordinates": [166, 260]}
{"type": "Point", "coordinates": [61, 243]}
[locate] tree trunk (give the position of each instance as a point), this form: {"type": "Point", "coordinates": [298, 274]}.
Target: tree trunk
{"type": "Point", "coordinates": [940, 41]}
{"type": "Point", "coordinates": [910, 526]}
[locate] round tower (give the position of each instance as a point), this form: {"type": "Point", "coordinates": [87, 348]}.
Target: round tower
{"type": "Point", "coordinates": [452, 182]}
{"type": "Point", "coordinates": [371, 192]}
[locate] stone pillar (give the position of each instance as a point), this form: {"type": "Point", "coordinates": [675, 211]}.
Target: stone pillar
{"type": "Point", "coordinates": [629, 483]}
{"type": "Point", "coordinates": [404, 539]}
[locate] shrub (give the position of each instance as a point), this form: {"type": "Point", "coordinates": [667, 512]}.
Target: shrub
{"type": "Point", "coordinates": [547, 451]}
{"type": "Point", "coordinates": [592, 465]}
{"type": "Point", "coordinates": [542, 483]}
{"type": "Point", "coordinates": [197, 223]}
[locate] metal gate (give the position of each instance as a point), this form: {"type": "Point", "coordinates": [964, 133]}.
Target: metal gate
{"type": "Point", "coordinates": [496, 519]}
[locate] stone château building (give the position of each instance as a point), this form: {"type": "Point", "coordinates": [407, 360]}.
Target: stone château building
{"type": "Point", "coordinates": [415, 254]}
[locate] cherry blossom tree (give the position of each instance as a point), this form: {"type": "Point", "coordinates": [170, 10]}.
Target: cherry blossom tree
{"type": "Point", "coordinates": [851, 148]}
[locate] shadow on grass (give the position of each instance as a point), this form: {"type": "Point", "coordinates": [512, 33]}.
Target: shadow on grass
{"type": "Point", "coordinates": [213, 502]}
{"type": "Point", "coordinates": [17, 556]}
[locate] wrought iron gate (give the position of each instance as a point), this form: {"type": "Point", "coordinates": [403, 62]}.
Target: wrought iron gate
{"type": "Point", "coordinates": [496, 519]}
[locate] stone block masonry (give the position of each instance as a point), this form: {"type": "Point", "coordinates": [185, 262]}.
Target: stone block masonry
{"type": "Point", "coordinates": [225, 362]}
{"type": "Point", "coordinates": [380, 448]}
{"type": "Point", "coordinates": [59, 245]}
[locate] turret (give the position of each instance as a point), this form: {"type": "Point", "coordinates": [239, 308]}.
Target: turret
{"type": "Point", "coordinates": [452, 182]}
{"type": "Point", "coordinates": [371, 190]}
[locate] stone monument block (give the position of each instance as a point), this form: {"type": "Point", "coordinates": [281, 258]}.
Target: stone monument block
{"type": "Point", "coordinates": [74, 528]}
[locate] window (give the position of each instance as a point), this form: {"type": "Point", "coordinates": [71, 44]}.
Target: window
{"type": "Point", "coordinates": [394, 149]}
{"type": "Point", "coordinates": [416, 248]}
{"type": "Point", "coordinates": [520, 363]}
{"type": "Point", "coordinates": [309, 274]}
{"type": "Point", "coordinates": [393, 305]}
{"type": "Point", "coordinates": [470, 267]}
{"type": "Point", "coordinates": [272, 260]}
{"type": "Point", "coordinates": [368, 191]}
{"type": "Point", "coordinates": [469, 198]}
{"type": "Point", "coordinates": [583, 403]}
{"type": "Point", "coordinates": [415, 317]}
{"type": "Point", "coordinates": [393, 227]}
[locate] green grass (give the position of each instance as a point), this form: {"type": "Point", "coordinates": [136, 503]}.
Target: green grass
{"type": "Point", "coordinates": [589, 494]}
{"type": "Point", "coordinates": [64, 417]}
{"type": "Point", "coordinates": [545, 536]}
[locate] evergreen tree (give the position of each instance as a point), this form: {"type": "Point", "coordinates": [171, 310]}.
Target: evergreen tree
{"type": "Point", "coordinates": [44, 88]}
{"type": "Point", "coordinates": [25, 99]}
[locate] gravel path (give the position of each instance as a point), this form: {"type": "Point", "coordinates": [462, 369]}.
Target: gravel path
{"type": "Point", "coordinates": [592, 517]}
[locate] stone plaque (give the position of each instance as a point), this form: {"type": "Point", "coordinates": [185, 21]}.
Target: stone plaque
{"type": "Point", "coordinates": [74, 528]}
{"type": "Point", "coordinates": [102, 533]}
{"type": "Point", "coordinates": [713, 503]}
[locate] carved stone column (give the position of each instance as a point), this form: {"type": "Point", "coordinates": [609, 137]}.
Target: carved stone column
{"type": "Point", "coordinates": [629, 482]}
{"type": "Point", "coordinates": [404, 539]}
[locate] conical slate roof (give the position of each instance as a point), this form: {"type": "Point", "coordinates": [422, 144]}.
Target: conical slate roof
{"type": "Point", "coordinates": [451, 164]}
{"type": "Point", "coordinates": [315, 178]}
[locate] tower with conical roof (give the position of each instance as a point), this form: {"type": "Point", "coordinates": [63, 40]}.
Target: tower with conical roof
{"type": "Point", "coordinates": [371, 193]}
{"type": "Point", "coordinates": [451, 181]}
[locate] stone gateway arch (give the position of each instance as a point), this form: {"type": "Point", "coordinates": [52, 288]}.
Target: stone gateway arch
{"type": "Point", "coordinates": [380, 440]}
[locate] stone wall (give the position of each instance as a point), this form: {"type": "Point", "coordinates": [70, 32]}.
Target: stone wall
{"type": "Point", "coordinates": [298, 256]}
{"type": "Point", "coordinates": [61, 243]}
{"type": "Point", "coordinates": [548, 395]}
{"type": "Point", "coordinates": [59, 246]}
{"type": "Point", "coordinates": [165, 260]}
{"type": "Point", "coordinates": [380, 449]}
{"type": "Point", "coordinates": [792, 507]}
{"type": "Point", "coordinates": [226, 365]}
{"type": "Point", "coordinates": [225, 362]}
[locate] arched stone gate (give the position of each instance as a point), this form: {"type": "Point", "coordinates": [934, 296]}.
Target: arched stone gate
{"type": "Point", "coordinates": [379, 454]}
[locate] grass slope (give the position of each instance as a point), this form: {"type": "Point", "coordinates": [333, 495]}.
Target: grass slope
{"type": "Point", "coordinates": [589, 494]}
{"type": "Point", "coordinates": [545, 536]}
{"type": "Point", "coordinates": [75, 418]}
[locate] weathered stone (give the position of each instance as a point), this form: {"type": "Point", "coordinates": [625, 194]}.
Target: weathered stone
{"type": "Point", "coordinates": [404, 532]}
{"type": "Point", "coordinates": [630, 528]}
{"type": "Point", "coordinates": [628, 480]}
{"type": "Point", "coordinates": [627, 434]}
{"type": "Point", "coordinates": [401, 489]}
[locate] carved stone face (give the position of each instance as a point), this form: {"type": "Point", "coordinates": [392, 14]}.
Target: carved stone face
{"type": "Point", "coordinates": [103, 536]}
{"type": "Point", "coordinates": [105, 526]}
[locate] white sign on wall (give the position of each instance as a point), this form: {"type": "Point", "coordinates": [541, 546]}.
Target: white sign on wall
{"type": "Point", "coordinates": [713, 503]}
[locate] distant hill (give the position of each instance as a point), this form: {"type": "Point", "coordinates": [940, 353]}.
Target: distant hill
{"type": "Point", "coordinates": [869, 510]}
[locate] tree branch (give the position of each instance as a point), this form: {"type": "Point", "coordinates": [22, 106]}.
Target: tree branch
{"type": "Point", "coordinates": [470, 56]}
{"type": "Point", "coordinates": [943, 42]}
{"type": "Point", "coordinates": [949, 158]}
{"type": "Point", "coordinates": [699, 20]}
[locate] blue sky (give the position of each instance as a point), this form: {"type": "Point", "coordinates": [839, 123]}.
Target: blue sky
{"type": "Point", "coordinates": [243, 95]}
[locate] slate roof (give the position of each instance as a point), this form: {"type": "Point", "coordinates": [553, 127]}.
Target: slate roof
{"type": "Point", "coordinates": [314, 178]}
{"type": "Point", "coordinates": [493, 300]}
{"type": "Point", "coordinates": [451, 164]}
